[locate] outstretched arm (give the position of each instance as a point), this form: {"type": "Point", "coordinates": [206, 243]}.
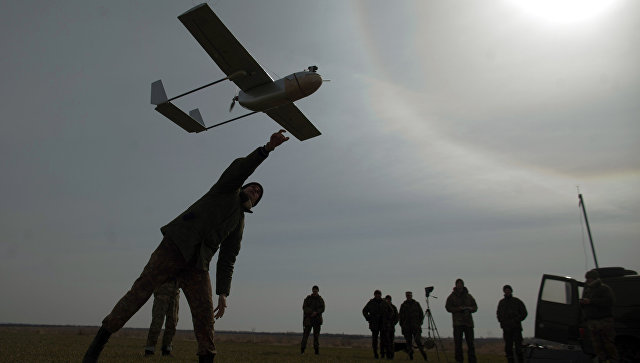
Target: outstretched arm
{"type": "Point", "coordinates": [240, 169]}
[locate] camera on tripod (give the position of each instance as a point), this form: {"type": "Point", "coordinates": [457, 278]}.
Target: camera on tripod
{"type": "Point", "coordinates": [433, 336]}
{"type": "Point", "coordinates": [428, 290]}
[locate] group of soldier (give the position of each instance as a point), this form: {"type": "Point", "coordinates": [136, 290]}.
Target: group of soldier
{"type": "Point", "coordinates": [383, 316]}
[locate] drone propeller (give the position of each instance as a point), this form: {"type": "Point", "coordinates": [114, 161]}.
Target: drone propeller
{"type": "Point", "coordinates": [233, 102]}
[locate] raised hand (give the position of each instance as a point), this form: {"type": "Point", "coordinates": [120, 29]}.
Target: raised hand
{"type": "Point", "coordinates": [276, 140]}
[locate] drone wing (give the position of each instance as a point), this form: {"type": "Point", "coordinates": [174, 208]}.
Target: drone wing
{"type": "Point", "coordinates": [292, 119]}
{"type": "Point", "coordinates": [223, 47]}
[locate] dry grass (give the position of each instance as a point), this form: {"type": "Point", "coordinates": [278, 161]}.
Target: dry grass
{"type": "Point", "coordinates": [67, 344]}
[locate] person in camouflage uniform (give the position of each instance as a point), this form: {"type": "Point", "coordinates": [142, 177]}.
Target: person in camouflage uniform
{"type": "Point", "coordinates": [166, 301]}
{"type": "Point", "coordinates": [312, 309]}
{"type": "Point", "coordinates": [373, 312]}
{"type": "Point", "coordinates": [411, 318]}
{"type": "Point", "coordinates": [461, 305]}
{"type": "Point", "coordinates": [212, 224]}
{"type": "Point", "coordinates": [511, 312]}
{"type": "Point", "coordinates": [597, 308]}
{"type": "Point", "coordinates": [387, 334]}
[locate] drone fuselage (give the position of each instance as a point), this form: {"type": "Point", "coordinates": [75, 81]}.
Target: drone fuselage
{"type": "Point", "coordinates": [285, 90]}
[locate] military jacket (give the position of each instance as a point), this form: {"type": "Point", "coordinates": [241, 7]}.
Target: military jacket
{"type": "Point", "coordinates": [601, 300]}
{"type": "Point", "coordinates": [389, 317]}
{"type": "Point", "coordinates": [456, 303]}
{"type": "Point", "coordinates": [411, 315]}
{"type": "Point", "coordinates": [373, 312]}
{"type": "Point", "coordinates": [511, 312]}
{"type": "Point", "coordinates": [216, 222]}
{"type": "Point", "coordinates": [312, 304]}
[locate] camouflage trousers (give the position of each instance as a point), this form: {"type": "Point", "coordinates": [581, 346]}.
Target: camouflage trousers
{"type": "Point", "coordinates": [163, 306]}
{"type": "Point", "coordinates": [513, 338]}
{"type": "Point", "coordinates": [413, 335]}
{"type": "Point", "coordinates": [316, 336]}
{"type": "Point", "coordinates": [458, 332]}
{"type": "Point", "coordinates": [386, 342]}
{"type": "Point", "coordinates": [167, 262]}
{"type": "Point", "coordinates": [603, 336]}
{"type": "Point", "coordinates": [375, 334]}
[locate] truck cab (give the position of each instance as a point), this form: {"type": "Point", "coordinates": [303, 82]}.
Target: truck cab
{"type": "Point", "coordinates": [559, 316]}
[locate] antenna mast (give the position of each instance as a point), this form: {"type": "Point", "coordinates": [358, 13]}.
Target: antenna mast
{"type": "Point", "coordinates": [584, 212]}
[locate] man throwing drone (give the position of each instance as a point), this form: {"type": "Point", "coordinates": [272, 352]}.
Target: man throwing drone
{"type": "Point", "coordinates": [212, 224]}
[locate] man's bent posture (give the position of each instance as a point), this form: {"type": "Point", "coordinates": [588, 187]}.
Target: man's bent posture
{"type": "Point", "coordinates": [212, 224]}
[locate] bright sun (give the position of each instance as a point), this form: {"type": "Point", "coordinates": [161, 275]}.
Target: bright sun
{"type": "Point", "coordinates": [564, 11]}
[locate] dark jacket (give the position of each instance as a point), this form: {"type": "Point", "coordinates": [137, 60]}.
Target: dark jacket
{"type": "Point", "coordinates": [601, 300]}
{"type": "Point", "coordinates": [216, 221]}
{"type": "Point", "coordinates": [511, 312]}
{"type": "Point", "coordinates": [373, 312]}
{"type": "Point", "coordinates": [461, 305]}
{"type": "Point", "coordinates": [411, 315]}
{"type": "Point", "coordinates": [312, 304]}
{"type": "Point", "coordinates": [389, 316]}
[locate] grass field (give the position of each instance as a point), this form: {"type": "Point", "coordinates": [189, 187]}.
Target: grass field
{"type": "Point", "coordinates": [68, 344]}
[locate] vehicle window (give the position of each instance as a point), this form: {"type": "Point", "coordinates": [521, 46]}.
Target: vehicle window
{"type": "Point", "coordinates": [556, 291]}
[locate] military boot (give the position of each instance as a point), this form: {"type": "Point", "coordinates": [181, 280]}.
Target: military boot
{"type": "Point", "coordinates": [207, 358]}
{"type": "Point", "coordinates": [92, 354]}
{"type": "Point", "coordinates": [317, 350]}
{"type": "Point", "coordinates": [166, 351]}
{"type": "Point", "coordinates": [148, 352]}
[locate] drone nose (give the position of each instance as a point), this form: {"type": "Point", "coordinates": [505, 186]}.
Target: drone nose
{"type": "Point", "coordinates": [310, 82]}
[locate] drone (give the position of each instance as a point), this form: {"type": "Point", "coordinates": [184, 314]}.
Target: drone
{"type": "Point", "coordinates": [258, 91]}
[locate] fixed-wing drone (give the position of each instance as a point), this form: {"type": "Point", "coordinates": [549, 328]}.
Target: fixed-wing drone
{"type": "Point", "coordinates": [258, 91]}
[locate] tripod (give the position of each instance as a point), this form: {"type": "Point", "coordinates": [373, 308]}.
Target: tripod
{"type": "Point", "coordinates": [432, 329]}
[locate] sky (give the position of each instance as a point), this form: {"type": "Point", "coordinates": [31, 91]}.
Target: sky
{"type": "Point", "coordinates": [454, 137]}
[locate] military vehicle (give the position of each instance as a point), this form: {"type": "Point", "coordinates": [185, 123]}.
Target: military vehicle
{"type": "Point", "coordinates": [559, 317]}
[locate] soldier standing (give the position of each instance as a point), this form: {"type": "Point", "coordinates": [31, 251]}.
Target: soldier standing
{"type": "Point", "coordinates": [166, 299]}
{"type": "Point", "coordinates": [312, 307]}
{"type": "Point", "coordinates": [389, 321]}
{"type": "Point", "coordinates": [372, 313]}
{"type": "Point", "coordinates": [511, 312]}
{"type": "Point", "coordinates": [597, 308]}
{"type": "Point", "coordinates": [214, 223]}
{"type": "Point", "coordinates": [411, 318]}
{"type": "Point", "coordinates": [461, 305]}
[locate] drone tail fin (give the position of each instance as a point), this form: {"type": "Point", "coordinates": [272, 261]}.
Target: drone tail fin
{"type": "Point", "coordinates": [158, 95]}
{"type": "Point", "coordinates": [190, 123]}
